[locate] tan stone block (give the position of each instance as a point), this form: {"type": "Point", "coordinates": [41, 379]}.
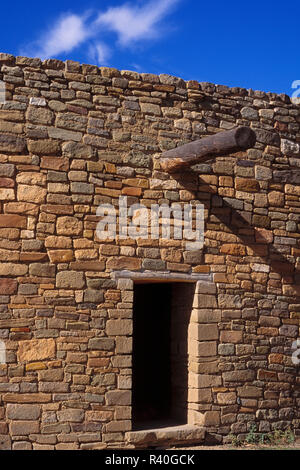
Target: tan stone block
{"type": "Point", "coordinates": [131, 191]}
{"type": "Point", "coordinates": [291, 189]}
{"type": "Point", "coordinates": [12, 269]}
{"type": "Point", "coordinates": [289, 289]}
{"type": "Point", "coordinates": [149, 108]}
{"type": "Point", "coordinates": [263, 236]}
{"type": "Point", "coordinates": [23, 412]}
{"type": "Point", "coordinates": [88, 265]}
{"type": "Point", "coordinates": [7, 194]}
{"type": "Point", "coordinates": [267, 331]}
{"type": "Point", "coordinates": [119, 327]}
{"type": "Point", "coordinates": [214, 259]}
{"type": "Point", "coordinates": [225, 181]}
{"type": "Point", "coordinates": [233, 249]}
{"type": "Point", "coordinates": [203, 332]}
{"type": "Point", "coordinates": [43, 147]}
{"type": "Point", "coordinates": [203, 301]}
{"type": "Point", "coordinates": [55, 163]}
{"type": "Point", "coordinates": [210, 367]}
{"type": "Point", "coordinates": [211, 418]}
{"type": "Point", "coordinates": [15, 221]}
{"type": "Point", "coordinates": [199, 395]}
{"type": "Point", "coordinates": [60, 256]}
{"type": "Point", "coordinates": [204, 380]}
{"type": "Point", "coordinates": [203, 287]}
{"type": "Point", "coordinates": [70, 280]}
{"type": "Point", "coordinates": [206, 316]}
{"type": "Point", "coordinates": [100, 415]}
{"type": "Point", "coordinates": [249, 391]}
{"type": "Point", "coordinates": [171, 254]}
{"type": "Point", "coordinates": [118, 397]}
{"type": "Point", "coordinates": [39, 115]}
{"type": "Point", "coordinates": [231, 336]}
{"type": "Point", "coordinates": [26, 397]}
{"type": "Point", "coordinates": [7, 182]}
{"type": "Point", "coordinates": [246, 185]}
{"type": "Point", "coordinates": [227, 398]}
{"type": "Point", "coordinates": [36, 350]}
{"type": "Point", "coordinates": [51, 375]}
{"type": "Point", "coordinates": [119, 426]}
{"type": "Point", "coordinates": [54, 241]}
{"type": "Point", "coordinates": [35, 366]}
{"type": "Point", "coordinates": [11, 115]}
{"type": "Point", "coordinates": [32, 193]}
{"type": "Point", "coordinates": [195, 417]}
{"type": "Point", "coordinates": [202, 349]}
{"type": "Point", "coordinates": [123, 262]}
{"type": "Point", "coordinates": [68, 226]}
{"type": "Point", "coordinates": [25, 208]}
{"type": "Point", "coordinates": [86, 254]}
{"type": "Point", "coordinates": [23, 428]}
{"type": "Point", "coordinates": [31, 178]}
{"type": "Point", "coordinates": [8, 286]}
{"type": "Point", "coordinates": [276, 198]}
{"type": "Point", "coordinates": [228, 301]}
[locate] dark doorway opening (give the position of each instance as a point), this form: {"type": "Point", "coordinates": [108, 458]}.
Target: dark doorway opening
{"type": "Point", "coordinates": [161, 315]}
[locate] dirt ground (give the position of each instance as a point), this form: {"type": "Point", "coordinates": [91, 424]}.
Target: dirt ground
{"type": "Point", "coordinates": [294, 446]}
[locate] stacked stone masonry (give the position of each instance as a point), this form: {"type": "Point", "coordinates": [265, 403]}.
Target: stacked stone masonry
{"type": "Point", "coordinates": [75, 136]}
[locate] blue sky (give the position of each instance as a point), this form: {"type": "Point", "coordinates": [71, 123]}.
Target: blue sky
{"type": "Point", "coordinates": [247, 44]}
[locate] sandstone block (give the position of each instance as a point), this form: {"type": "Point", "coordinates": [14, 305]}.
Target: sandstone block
{"type": "Point", "coordinates": [204, 380]}
{"type": "Point", "coordinates": [23, 412]}
{"type": "Point", "coordinates": [70, 415]}
{"type": "Point", "coordinates": [60, 256]}
{"type": "Point", "coordinates": [231, 336]}
{"type": "Point", "coordinates": [32, 193]}
{"type": "Point", "coordinates": [36, 350]}
{"type": "Point", "coordinates": [119, 327]}
{"type": "Point", "coordinates": [118, 397]}
{"type": "Point", "coordinates": [58, 242]}
{"type": "Point", "coordinates": [43, 147]}
{"type": "Point", "coordinates": [68, 226]}
{"type": "Point", "coordinates": [70, 280]}
{"type": "Point", "coordinates": [102, 344]}
{"type": "Point", "coordinates": [204, 349]}
{"type": "Point", "coordinates": [8, 286]}
{"type": "Point", "coordinates": [7, 194]}
{"type": "Point", "coordinates": [204, 301]}
{"type": "Point", "coordinates": [39, 116]}
{"type": "Point", "coordinates": [246, 185]}
{"type": "Point", "coordinates": [203, 332]}
{"type": "Point", "coordinates": [12, 269]}
{"type": "Point", "coordinates": [11, 143]}
{"type": "Point", "coordinates": [42, 270]}
{"type": "Point", "coordinates": [229, 301]}
{"type": "Point", "coordinates": [239, 376]}
{"type": "Point", "coordinates": [24, 428]}
{"type": "Point", "coordinates": [226, 398]}
{"type": "Point", "coordinates": [124, 262]}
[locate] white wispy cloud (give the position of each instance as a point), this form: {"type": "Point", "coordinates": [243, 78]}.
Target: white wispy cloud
{"type": "Point", "coordinates": [99, 53]}
{"type": "Point", "coordinates": [133, 23]}
{"type": "Point", "coordinates": [67, 33]}
{"type": "Point", "coordinates": [130, 22]}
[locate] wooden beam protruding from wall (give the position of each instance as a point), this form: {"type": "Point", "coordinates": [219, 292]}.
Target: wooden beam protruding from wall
{"type": "Point", "coordinates": [198, 151]}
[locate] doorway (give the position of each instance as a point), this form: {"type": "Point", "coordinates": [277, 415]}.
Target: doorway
{"type": "Point", "coordinates": [161, 315]}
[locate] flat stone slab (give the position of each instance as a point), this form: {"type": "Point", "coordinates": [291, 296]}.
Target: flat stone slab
{"type": "Point", "coordinates": [183, 434]}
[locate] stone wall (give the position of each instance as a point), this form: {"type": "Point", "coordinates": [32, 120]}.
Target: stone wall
{"type": "Point", "coordinates": [75, 136]}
